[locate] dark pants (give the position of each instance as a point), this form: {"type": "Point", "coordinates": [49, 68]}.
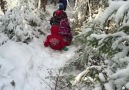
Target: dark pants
{"type": "Point", "coordinates": [65, 6]}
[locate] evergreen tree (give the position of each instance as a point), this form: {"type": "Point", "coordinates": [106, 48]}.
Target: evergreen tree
{"type": "Point", "coordinates": [104, 49]}
{"type": "Point", "coordinates": [22, 20]}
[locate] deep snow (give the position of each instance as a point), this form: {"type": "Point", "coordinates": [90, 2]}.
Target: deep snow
{"type": "Point", "coordinates": [27, 67]}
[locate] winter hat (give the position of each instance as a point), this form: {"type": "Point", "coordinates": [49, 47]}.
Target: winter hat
{"type": "Point", "coordinates": [59, 13]}
{"type": "Point", "coordinates": [61, 6]}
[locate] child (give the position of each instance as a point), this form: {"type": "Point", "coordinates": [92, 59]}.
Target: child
{"type": "Point", "coordinates": [58, 15]}
{"type": "Point", "coordinates": [54, 40]}
{"type": "Point", "coordinates": [65, 31]}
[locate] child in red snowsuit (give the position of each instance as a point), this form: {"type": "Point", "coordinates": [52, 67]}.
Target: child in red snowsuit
{"type": "Point", "coordinates": [61, 20]}
{"type": "Point", "coordinates": [55, 41]}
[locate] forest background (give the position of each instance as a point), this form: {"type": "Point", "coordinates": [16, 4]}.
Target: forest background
{"type": "Point", "coordinates": [97, 59]}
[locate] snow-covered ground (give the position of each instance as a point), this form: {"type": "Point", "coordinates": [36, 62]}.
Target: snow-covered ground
{"type": "Point", "coordinates": [27, 67]}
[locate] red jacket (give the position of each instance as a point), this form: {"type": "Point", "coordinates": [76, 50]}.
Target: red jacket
{"type": "Point", "coordinates": [54, 40]}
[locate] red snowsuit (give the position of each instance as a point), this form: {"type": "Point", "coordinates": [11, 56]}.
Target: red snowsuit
{"type": "Point", "coordinates": [55, 41]}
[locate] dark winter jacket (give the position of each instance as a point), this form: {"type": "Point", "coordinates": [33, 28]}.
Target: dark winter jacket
{"type": "Point", "coordinates": [57, 16]}
{"type": "Point", "coordinates": [55, 41]}
{"type": "Point", "coordinates": [54, 21]}
{"type": "Point", "coordinates": [63, 1]}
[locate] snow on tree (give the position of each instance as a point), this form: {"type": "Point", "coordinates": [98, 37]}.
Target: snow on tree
{"type": "Point", "coordinates": [103, 55]}
{"type": "Point", "coordinates": [85, 11]}
{"type": "Point", "coordinates": [22, 20]}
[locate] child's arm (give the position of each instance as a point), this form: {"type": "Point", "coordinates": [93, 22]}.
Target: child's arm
{"type": "Point", "coordinates": [46, 43]}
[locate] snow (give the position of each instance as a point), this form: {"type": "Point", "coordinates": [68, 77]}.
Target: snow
{"type": "Point", "coordinates": [121, 74]}
{"type": "Point", "coordinates": [3, 38]}
{"type": "Point", "coordinates": [104, 36]}
{"type": "Point", "coordinates": [101, 77]}
{"type": "Point", "coordinates": [28, 66]}
{"type": "Point", "coordinates": [109, 86]}
{"type": "Point", "coordinates": [121, 11]}
{"type": "Point", "coordinates": [127, 85]}
{"type": "Point", "coordinates": [113, 6]}
{"type": "Point", "coordinates": [98, 87]}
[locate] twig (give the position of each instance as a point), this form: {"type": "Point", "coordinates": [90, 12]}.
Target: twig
{"type": "Point", "coordinates": [85, 72]}
{"type": "Point", "coordinates": [56, 83]}
{"type": "Point", "coordinates": [45, 82]}
{"type": "Point", "coordinates": [69, 5]}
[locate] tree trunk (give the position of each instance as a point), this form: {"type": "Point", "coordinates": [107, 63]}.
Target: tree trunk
{"type": "Point", "coordinates": [42, 4]}
{"type": "Point", "coordinates": [2, 4]}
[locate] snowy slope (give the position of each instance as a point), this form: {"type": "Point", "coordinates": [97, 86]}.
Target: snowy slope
{"type": "Point", "coordinates": [27, 67]}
